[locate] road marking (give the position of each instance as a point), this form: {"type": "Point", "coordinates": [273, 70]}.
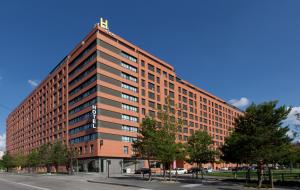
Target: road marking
{"type": "Point", "coordinates": [32, 186]}
{"type": "Point", "coordinates": [190, 185]}
{"type": "Point", "coordinates": [144, 189]}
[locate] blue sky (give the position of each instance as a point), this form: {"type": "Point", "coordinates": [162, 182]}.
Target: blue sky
{"type": "Point", "coordinates": [233, 49]}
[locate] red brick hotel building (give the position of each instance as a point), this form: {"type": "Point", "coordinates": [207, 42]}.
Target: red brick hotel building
{"type": "Point", "coordinates": [97, 96]}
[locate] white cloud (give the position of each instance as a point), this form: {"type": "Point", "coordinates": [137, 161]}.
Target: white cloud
{"type": "Point", "coordinates": [292, 117]}
{"type": "Point", "coordinates": [2, 142]}
{"type": "Point", "coordinates": [33, 83]}
{"type": "Point", "coordinates": [241, 103]}
{"type": "Point", "coordinates": [294, 123]}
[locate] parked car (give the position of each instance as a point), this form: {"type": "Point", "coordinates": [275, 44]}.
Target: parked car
{"type": "Point", "coordinates": [207, 170]}
{"type": "Point", "coordinates": [142, 171]}
{"type": "Point", "coordinates": [224, 169]}
{"type": "Point", "coordinates": [179, 171]}
{"type": "Point", "coordinates": [194, 170]}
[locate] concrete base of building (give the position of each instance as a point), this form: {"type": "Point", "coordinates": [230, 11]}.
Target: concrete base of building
{"type": "Point", "coordinates": [106, 165]}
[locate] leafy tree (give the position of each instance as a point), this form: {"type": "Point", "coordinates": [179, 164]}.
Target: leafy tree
{"type": "Point", "coordinates": [260, 135]}
{"type": "Point", "coordinates": [59, 155]}
{"type": "Point", "coordinates": [200, 150]}
{"type": "Point", "coordinates": [291, 156]}
{"type": "Point", "coordinates": [33, 159]}
{"type": "Point", "coordinates": [167, 148]}
{"type": "Point", "coordinates": [146, 143]}
{"type": "Point", "coordinates": [180, 154]}
{"type": "Point", "coordinates": [19, 160]}
{"type": "Point", "coordinates": [7, 161]}
{"type": "Point", "coordinates": [45, 153]}
{"type": "Point", "coordinates": [72, 155]}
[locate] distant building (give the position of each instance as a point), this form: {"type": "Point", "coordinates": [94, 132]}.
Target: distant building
{"type": "Point", "coordinates": [1, 154]}
{"type": "Point", "coordinates": [97, 96]}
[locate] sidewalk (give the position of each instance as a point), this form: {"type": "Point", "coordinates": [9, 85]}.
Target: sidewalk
{"type": "Point", "coordinates": [139, 182]}
{"type": "Point", "coordinates": [157, 181]}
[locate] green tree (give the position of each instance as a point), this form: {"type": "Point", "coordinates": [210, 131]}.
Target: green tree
{"type": "Point", "coordinates": [33, 160]}
{"type": "Point", "coordinates": [167, 148]}
{"type": "Point", "coordinates": [291, 156]}
{"type": "Point", "coordinates": [146, 143]}
{"type": "Point", "coordinates": [260, 135]}
{"type": "Point", "coordinates": [180, 154]}
{"type": "Point", "coordinates": [200, 150]}
{"type": "Point", "coordinates": [72, 155]}
{"type": "Point", "coordinates": [7, 161]}
{"type": "Point", "coordinates": [19, 160]}
{"type": "Point", "coordinates": [231, 153]}
{"type": "Point", "coordinates": [45, 154]}
{"type": "Point", "coordinates": [59, 155]}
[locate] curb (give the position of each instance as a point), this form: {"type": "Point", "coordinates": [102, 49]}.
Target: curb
{"type": "Point", "coordinates": [113, 183]}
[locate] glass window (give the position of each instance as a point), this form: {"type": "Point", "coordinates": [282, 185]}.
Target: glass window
{"type": "Point", "coordinates": [150, 67]}
{"type": "Point", "coordinates": [125, 149]}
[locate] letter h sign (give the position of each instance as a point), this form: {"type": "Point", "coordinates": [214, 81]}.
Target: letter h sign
{"type": "Point", "coordinates": [104, 23]}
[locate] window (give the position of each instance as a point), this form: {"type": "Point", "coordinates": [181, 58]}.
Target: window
{"type": "Point", "coordinates": [128, 139]}
{"type": "Point", "coordinates": [151, 104]}
{"type": "Point", "coordinates": [129, 107]}
{"type": "Point", "coordinates": [82, 75]}
{"type": "Point", "coordinates": [165, 73]}
{"type": "Point", "coordinates": [143, 63]}
{"type": "Point", "coordinates": [127, 56]}
{"type": "Point", "coordinates": [143, 83]}
{"type": "Point", "coordinates": [81, 65]}
{"type": "Point", "coordinates": [129, 118]}
{"type": "Point", "coordinates": [171, 77]}
{"type": "Point", "coordinates": [84, 52]}
{"type": "Point", "coordinates": [129, 67]}
{"type": "Point", "coordinates": [151, 77]}
{"type": "Point", "coordinates": [151, 113]}
{"type": "Point", "coordinates": [171, 94]}
{"type": "Point", "coordinates": [129, 87]}
{"type": "Point", "coordinates": [158, 70]}
{"type": "Point", "coordinates": [129, 97]}
{"type": "Point", "coordinates": [80, 118]}
{"type": "Point", "coordinates": [83, 85]}
{"type": "Point", "coordinates": [92, 148]}
{"type": "Point", "coordinates": [125, 149]}
{"type": "Point", "coordinates": [150, 67]}
{"type": "Point", "coordinates": [128, 77]}
{"type": "Point", "coordinates": [171, 85]}
{"type": "Point", "coordinates": [129, 128]}
{"type": "Point", "coordinates": [151, 95]}
{"type": "Point", "coordinates": [85, 138]}
{"type": "Point", "coordinates": [185, 130]}
{"type": "Point", "coordinates": [83, 95]}
{"type": "Point", "coordinates": [158, 80]}
{"type": "Point", "coordinates": [80, 128]}
{"type": "Point", "coordinates": [151, 86]}
{"type": "Point", "coordinates": [82, 106]}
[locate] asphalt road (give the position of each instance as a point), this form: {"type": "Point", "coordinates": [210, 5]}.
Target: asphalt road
{"type": "Point", "coordinates": [64, 182]}
{"type": "Point", "coordinates": [40, 182]}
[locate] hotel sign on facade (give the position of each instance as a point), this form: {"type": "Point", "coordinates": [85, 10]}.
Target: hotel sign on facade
{"type": "Point", "coordinates": [94, 116]}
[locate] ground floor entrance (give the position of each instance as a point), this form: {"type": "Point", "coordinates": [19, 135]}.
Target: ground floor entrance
{"type": "Point", "coordinates": [105, 165]}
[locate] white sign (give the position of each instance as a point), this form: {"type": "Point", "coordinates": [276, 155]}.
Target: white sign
{"type": "Point", "coordinates": [94, 116]}
{"type": "Point", "coordinates": [104, 23]}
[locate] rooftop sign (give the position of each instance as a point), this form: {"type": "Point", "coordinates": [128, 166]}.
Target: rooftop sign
{"type": "Point", "coordinates": [104, 23]}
